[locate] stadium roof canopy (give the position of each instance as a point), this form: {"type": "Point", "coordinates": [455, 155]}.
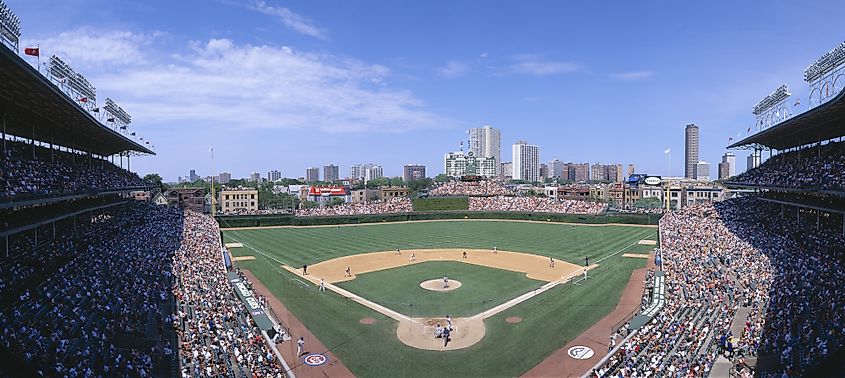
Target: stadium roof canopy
{"type": "Point", "coordinates": [824, 122]}
{"type": "Point", "coordinates": [33, 105]}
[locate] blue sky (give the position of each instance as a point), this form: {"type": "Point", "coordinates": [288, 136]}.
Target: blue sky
{"type": "Point", "coordinates": [291, 84]}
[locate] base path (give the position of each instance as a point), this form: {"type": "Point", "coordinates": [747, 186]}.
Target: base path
{"type": "Point", "coordinates": [535, 266]}
{"type": "Point", "coordinates": [597, 337]}
{"type": "Point", "coordinates": [419, 332]}
{"type": "Point", "coordinates": [332, 368]}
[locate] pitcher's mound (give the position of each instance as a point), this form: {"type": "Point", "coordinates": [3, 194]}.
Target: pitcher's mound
{"type": "Point", "coordinates": [437, 285]}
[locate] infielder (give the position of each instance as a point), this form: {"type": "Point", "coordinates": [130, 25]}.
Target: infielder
{"type": "Point", "coordinates": [322, 284]}
{"type": "Point", "coordinates": [348, 272]}
{"type": "Point", "coordinates": [413, 258]}
{"type": "Point", "coordinates": [551, 262]}
{"type": "Point", "coordinates": [300, 345]}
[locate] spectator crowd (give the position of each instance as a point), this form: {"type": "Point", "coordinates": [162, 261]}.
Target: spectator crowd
{"type": "Point", "coordinates": [535, 204]}
{"type": "Point", "coordinates": [818, 168]}
{"type": "Point", "coordinates": [140, 291]}
{"type": "Point", "coordinates": [390, 206]}
{"type": "Point", "coordinates": [471, 188]}
{"type": "Point", "coordinates": [28, 171]}
{"type": "Point", "coordinates": [720, 257]}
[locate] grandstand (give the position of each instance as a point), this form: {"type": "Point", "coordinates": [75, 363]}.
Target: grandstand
{"type": "Point", "coordinates": [752, 285]}
{"type": "Point", "coordinates": [94, 283]}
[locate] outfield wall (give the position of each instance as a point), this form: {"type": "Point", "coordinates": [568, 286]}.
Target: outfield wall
{"type": "Point", "coordinates": [230, 221]}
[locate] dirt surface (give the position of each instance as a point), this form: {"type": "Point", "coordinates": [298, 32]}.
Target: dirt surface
{"type": "Point", "coordinates": [419, 333]}
{"type": "Point", "coordinates": [535, 266]}
{"type": "Point", "coordinates": [416, 332]}
{"type": "Point", "coordinates": [443, 220]}
{"type": "Point", "coordinates": [368, 321]}
{"type": "Point", "coordinates": [636, 255]}
{"type": "Point", "coordinates": [437, 285]}
{"type": "Point", "coordinates": [333, 368]}
{"type": "Point", "coordinates": [513, 319]}
{"type": "Point", "coordinates": [597, 337]}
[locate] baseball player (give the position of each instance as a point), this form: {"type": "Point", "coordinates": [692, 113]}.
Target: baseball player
{"type": "Point", "coordinates": [449, 321]}
{"type": "Point", "coordinates": [300, 346]}
{"type": "Point", "coordinates": [304, 269]}
{"type": "Point", "coordinates": [413, 258]}
{"type": "Point", "coordinates": [465, 254]}
{"type": "Point", "coordinates": [348, 272]}
{"type": "Point", "coordinates": [551, 262]}
{"type": "Point", "coordinates": [494, 248]}
{"type": "Point", "coordinates": [446, 332]}
{"type": "Point", "coordinates": [445, 282]}
{"type": "Point", "coordinates": [398, 252]}
{"type": "Point", "coordinates": [322, 285]}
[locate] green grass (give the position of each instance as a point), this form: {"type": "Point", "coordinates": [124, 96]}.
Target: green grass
{"type": "Point", "coordinates": [549, 321]}
{"type": "Point", "coordinates": [481, 288]}
{"type": "Point", "coordinates": [440, 203]}
{"type": "Point", "coordinates": [297, 246]}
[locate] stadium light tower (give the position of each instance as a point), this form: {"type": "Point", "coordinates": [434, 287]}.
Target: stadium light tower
{"type": "Point", "coordinates": [72, 83]}
{"type": "Point", "coordinates": [826, 76]}
{"type": "Point", "coordinates": [773, 109]}
{"type": "Point", "coordinates": [10, 27]}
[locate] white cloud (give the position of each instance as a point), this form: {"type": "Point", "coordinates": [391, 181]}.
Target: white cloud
{"type": "Point", "coordinates": [290, 19]}
{"type": "Point", "coordinates": [88, 47]}
{"type": "Point", "coordinates": [453, 68]}
{"type": "Point", "coordinates": [483, 55]}
{"type": "Point", "coordinates": [223, 83]}
{"type": "Point", "coordinates": [535, 65]}
{"type": "Point", "coordinates": [630, 76]}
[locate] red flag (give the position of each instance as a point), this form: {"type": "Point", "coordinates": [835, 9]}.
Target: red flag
{"type": "Point", "coordinates": [34, 51]}
{"type": "Point", "coordinates": [83, 99]}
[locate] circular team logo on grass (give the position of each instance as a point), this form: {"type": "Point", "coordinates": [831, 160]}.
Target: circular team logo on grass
{"type": "Point", "coordinates": [315, 359]}
{"type": "Point", "coordinates": [580, 352]}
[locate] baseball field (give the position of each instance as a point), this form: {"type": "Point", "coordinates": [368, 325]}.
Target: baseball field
{"type": "Point", "coordinates": [511, 308]}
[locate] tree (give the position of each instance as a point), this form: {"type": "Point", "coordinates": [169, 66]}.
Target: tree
{"type": "Point", "coordinates": [155, 179]}
{"type": "Point", "coordinates": [395, 181]}
{"type": "Point", "coordinates": [441, 178]}
{"type": "Point", "coordinates": [335, 202]}
{"type": "Point", "coordinates": [378, 182]}
{"type": "Point", "coordinates": [309, 204]}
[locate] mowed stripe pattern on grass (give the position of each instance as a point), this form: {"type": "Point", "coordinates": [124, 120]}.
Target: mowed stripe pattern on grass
{"type": "Point", "coordinates": [312, 245]}
{"type": "Point", "coordinates": [549, 320]}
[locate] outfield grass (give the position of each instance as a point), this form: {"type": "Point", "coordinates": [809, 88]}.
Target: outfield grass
{"type": "Point", "coordinates": [481, 288]}
{"type": "Point", "coordinates": [440, 203]}
{"type": "Point", "coordinates": [298, 246]}
{"type": "Point", "coordinates": [549, 321]}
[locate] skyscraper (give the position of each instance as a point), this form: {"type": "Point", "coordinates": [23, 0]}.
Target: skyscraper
{"type": "Point", "coordinates": [579, 172]}
{"type": "Point", "coordinates": [331, 172]}
{"type": "Point", "coordinates": [255, 177]}
{"type": "Point", "coordinates": [599, 172]}
{"type": "Point", "coordinates": [730, 160]}
{"type": "Point", "coordinates": [365, 171]}
{"type": "Point", "coordinates": [486, 142]}
{"type": "Point", "coordinates": [413, 172]}
{"type": "Point", "coordinates": [557, 169]}
{"type": "Point", "coordinates": [312, 174]}
{"type": "Point", "coordinates": [702, 171]}
{"type": "Point", "coordinates": [691, 151]}
{"type": "Point", "coordinates": [631, 169]}
{"type": "Point", "coordinates": [193, 176]}
{"type": "Point", "coordinates": [274, 175]}
{"type": "Point", "coordinates": [753, 161]}
{"type": "Point", "coordinates": [526, 162]}
{"type": "Point", "coordinates": [224, 177]}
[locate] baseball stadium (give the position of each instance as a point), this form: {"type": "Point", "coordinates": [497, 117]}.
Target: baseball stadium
{"type": "Point", "coordinates": [105, 273]}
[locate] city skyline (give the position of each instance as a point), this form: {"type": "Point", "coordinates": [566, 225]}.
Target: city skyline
{"type": "Point", "coordinates": [268, 85]}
